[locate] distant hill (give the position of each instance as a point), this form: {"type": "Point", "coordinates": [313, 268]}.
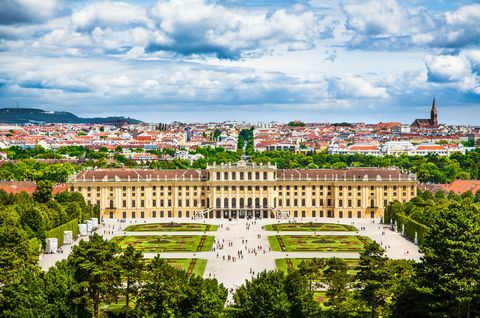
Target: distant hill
{"type": "Point", "coordinates": [39, 116]}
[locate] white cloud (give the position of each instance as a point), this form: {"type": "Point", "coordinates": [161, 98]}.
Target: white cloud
{"type": "Point", "coordinates": [355, 86]}
{"type": "Point", "coordinates": [446, 68]}
{"type": "Point", "coordinates": [108, 14]}
{"type": "Point", "coordinates": [228, 32]}
{"type": "Point", "coordinates": [455, 71]}
{"type": "Point", "coordinates": [387, 24]}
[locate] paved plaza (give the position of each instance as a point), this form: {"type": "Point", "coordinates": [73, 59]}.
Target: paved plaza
{"type": "Point", "coordinates": [230, 234]}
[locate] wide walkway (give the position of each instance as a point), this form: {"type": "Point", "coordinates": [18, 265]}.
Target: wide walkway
{"type": "Point", "coordinates": [230, 234]}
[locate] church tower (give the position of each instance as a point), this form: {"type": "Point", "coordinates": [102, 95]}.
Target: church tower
{"type": "Point", "coordinates": [433, 114]}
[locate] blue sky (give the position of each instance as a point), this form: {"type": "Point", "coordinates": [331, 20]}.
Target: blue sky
{"type": "Point", "coordinates": [194, 60]}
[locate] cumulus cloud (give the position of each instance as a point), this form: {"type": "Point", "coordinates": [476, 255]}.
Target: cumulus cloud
{"type": "Point", "coordinates": [355, 86]}
{"type": "Point", "coordinates": [180, 28]}
{"type": "Point", "coordinates": [388, 24]}
{"type": "Point", "coordinates": [197, 27]}
{"type": "Point", "coordinates": [108, 14]}
{"type": "Point", "coordinates": [456, 71]}
{"type": "Point", "coordinates": [25, 11]}
{"type": "Point", "coordinates": [446, 68]}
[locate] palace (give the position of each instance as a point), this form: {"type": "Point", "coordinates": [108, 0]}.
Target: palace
{"type": "Point", "coordinates": [244, 190]}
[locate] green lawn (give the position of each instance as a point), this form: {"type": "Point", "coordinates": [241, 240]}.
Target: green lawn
{"type": "Point", "coordinates": [185, 263]}
{"type": "Point", "coordinates": [282, 263]}
{"type": "Point", "coordinates": [167, 243]}
{"type": "Point", "coordinates": [171, 227]}
{"type": "Point", "coordinates": [318, 243]}
{"type": "Point", "coordinates": [310, 227]}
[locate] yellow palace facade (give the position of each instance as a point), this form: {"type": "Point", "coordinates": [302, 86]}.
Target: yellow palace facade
{"type": "Point", "coordinates": [244, 191]}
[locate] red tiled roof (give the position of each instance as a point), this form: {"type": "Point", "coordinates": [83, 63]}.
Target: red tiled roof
{"type": "Point", "coordinates": [363, 147]}
{"type": "Point", "coordinates": [431, 147]}
{"type": "Point", "coordinates": [15, 187]}
{"type": "Point", "coordinates": [461, 186]}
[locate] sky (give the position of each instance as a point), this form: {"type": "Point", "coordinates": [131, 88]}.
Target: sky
{"type": "Point", "coordinates": [246, 60]}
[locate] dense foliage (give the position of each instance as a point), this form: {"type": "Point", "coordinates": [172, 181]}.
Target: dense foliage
{"type": "Point", "coordinates": [425, 208]}
{"type": "Point", "coordinates": [245, 141]}
{"type": "Point", "coordinates": [97, 273]}
{"type": "Point", "coordinates": [94, 275]}
{"type": "Point", "coordinates": [32, 216]}
{"type": "Point", "coordinates": [433, 168]}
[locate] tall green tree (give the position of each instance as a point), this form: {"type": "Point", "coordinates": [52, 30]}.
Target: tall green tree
{"type": "Point", "coordinates": [372, 276]}
{"type": "Point", "coordinates": [96, 272]}
{"type": "Point", "coordinates": [448, 275]}
{"type": "Point", "coordinates": [131, 267]}
{"type": "Point", "coordinates": [263, 297]}
{"type": "Point", "coordinates": [162, 291]}
{"type": "Point", "coordinates": [43, 192]}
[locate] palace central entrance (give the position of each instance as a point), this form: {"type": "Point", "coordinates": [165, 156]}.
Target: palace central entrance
{"type": "Point", "coordinates": [244, 213]}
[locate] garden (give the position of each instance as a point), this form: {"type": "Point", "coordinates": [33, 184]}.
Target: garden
{"type": "Point", "coordinates": [167, 243]}
{"type": "Point", "coordinates": [318, 243]}
{"type": "Point", "coordinates": [171, 227]}
{"type": "Point", "coordinates": [310, 227]}
{"type": "Point", "coordinates": [284, 264]}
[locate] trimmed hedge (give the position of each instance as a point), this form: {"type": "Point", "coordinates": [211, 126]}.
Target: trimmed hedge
{"type": "Point", "coordinates": [58, 231]}
{"type": "Point", "coordinates": [411, 226]}
{"type": "Point", "coordinates": [34, 246]}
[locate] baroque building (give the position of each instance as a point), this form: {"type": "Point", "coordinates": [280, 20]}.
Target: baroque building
{"type": "Point", "coordinates": [244, 190]}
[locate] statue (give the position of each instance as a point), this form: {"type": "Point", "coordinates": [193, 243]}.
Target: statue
{"type": "Point", "coordinates": [415, 240]}
{"type": "Point", "coordinates": [403, 229]}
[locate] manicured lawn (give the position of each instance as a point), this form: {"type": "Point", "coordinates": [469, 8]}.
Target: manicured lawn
{"type": "Point", "coordinates": [198, 264]}
{"type": "Point", "coordinates": [171, 227]}
{"type": "Point", "coordinates": [283, 263]}
{"type": "Point", "coordinates": [167, 243]}
{"type": "Point", "coordinates": [317, 243]}
{"type": "Point", "coordinates": [310, 227]}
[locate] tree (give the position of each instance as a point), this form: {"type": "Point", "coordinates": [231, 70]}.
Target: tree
{"type": "Point", "coordinates": [14, 253]}
{"type": "Point", "coordinates": [58, 284]}
{"type": "Point", "coordinates": [131, 266]}
{"type": "Point", "coordinates": [203, 298]}
{"type": "Point", "coordinates": [162, 291]}
{"type": "Point", "coordinates": [24, 297]}
{"type": "Point", "coordinates": [372, 276]}
{"type": "Point", "coordinates": [263, 297]}
{"type": "Point", "coordinates": [95, 271]}
{"type": "Point", "coordinates": [312, 270]}
{"type": "Point", "coordinates": [43, 192]}
{"type": "Point", "coordinates": [449, 272]}
{"type": "Point", "coordinates": [300, 296]}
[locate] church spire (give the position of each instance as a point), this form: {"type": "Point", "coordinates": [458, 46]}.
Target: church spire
{"type": "Point", "coordinates": [433, 114]}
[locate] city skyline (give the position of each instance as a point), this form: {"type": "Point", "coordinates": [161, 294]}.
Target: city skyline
{"type": "Point", "coordinates": [315, 61]}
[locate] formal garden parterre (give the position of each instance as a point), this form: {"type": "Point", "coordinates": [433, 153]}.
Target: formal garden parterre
{"type": "Point", "coordinates": [284, 264]}
{"type": "Point", "coordinates": [318, 243]}
{"type": "Point", "coordinates": [167, 243]}
{"type": "Point", "coordinates": [310, 227]}
{"type": "Point", "coordinates": [171, 227]}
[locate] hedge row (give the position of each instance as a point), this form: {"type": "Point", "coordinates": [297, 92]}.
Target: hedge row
{"type": "Point", "coordinates": [34, 246]}
{"type": "Point", "coordinates": [58, 231]}
{"type": "Point", "coordinates": [411, 227]}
